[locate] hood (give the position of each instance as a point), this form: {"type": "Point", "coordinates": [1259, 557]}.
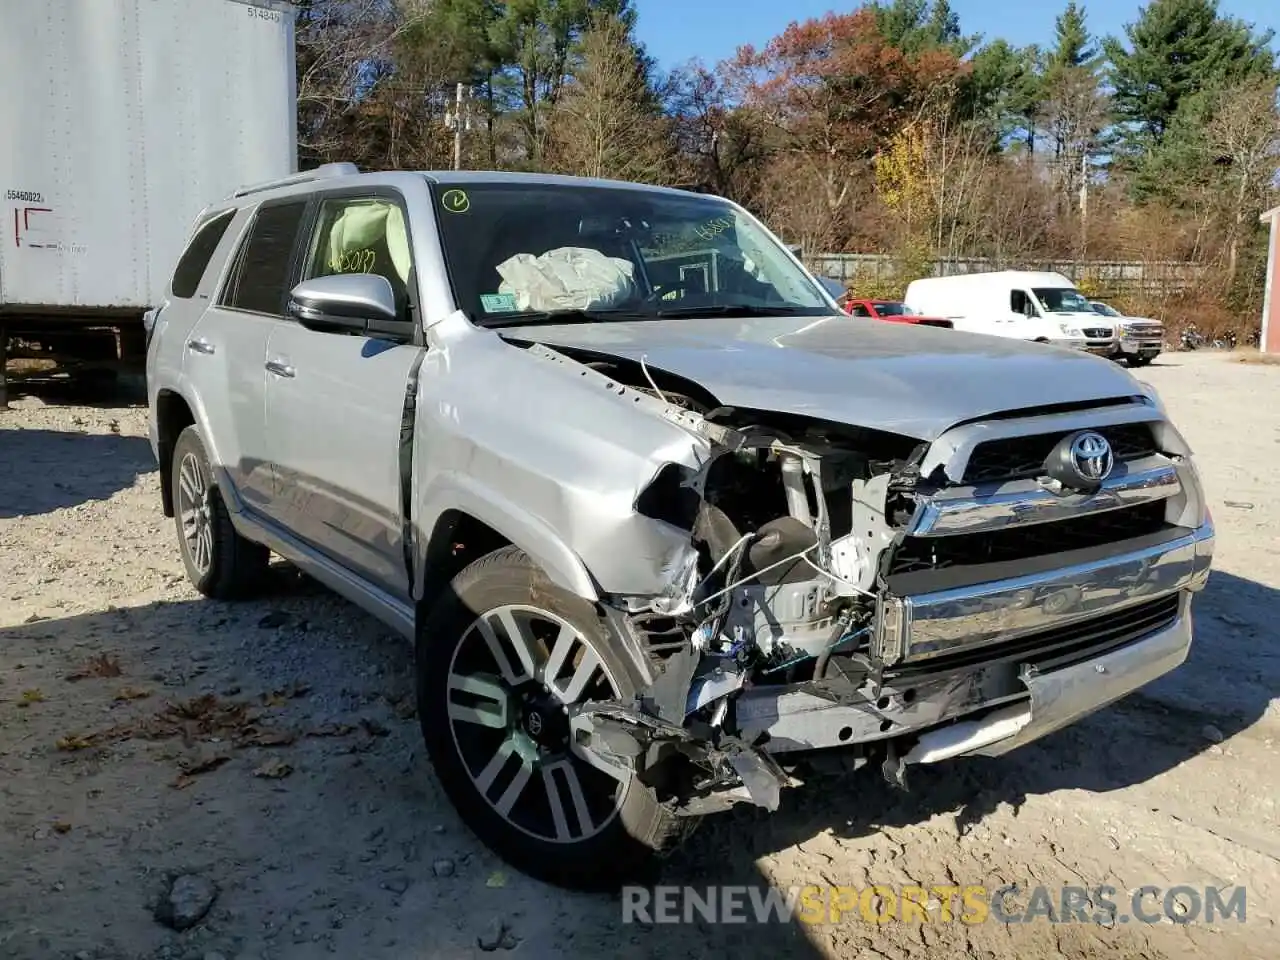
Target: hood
{"type": "Point", "coordinates": [911, 380]}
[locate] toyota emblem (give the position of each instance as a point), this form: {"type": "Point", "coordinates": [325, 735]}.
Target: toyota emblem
{"type": "Point", "coordinates": [1091, 456]}
{"type": "Point", "coordinates": [1081, 461]}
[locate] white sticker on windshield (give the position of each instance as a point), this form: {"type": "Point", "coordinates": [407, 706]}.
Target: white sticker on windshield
{"type": "Point", "coordinates": [498, 302]}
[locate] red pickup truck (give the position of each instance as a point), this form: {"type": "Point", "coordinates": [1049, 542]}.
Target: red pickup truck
{"type": "Point", "coordinates": [892, 311]}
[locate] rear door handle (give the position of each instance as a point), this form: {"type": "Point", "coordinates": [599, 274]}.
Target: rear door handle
{"type": "Point", "coordinates": [280, 369]}
{"type": "Point", "coordinates": [201, 346]}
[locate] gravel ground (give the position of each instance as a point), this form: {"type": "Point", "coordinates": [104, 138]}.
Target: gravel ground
{"type": "Point", "coordinates": [266, 755]}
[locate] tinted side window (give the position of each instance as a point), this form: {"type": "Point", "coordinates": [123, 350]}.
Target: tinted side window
{"type": "Point", "coordinates": [263, 268]}
{"type": "Point", "coordinates": [860, 311]}
{"type": "Point", "coordinates": [195, 259]}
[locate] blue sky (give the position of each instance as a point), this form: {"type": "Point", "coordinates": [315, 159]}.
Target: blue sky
{"type": "Point", "coordinates": [677, 30]}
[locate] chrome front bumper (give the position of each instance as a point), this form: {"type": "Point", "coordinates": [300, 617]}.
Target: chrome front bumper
{"type": "Point", "coordinates": [1141, 340]}
{"type": "Point", "coordinates": [950, 621]}
{"type": "Point", "coordinates": [1019, 706]}
{"type": "Point", "coordinates": [1060, 697]}
{"type": "Point", "coordinates": [1135, 347]}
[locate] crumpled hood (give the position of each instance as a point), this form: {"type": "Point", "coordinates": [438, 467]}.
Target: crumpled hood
{"type": "Point", "coordinates": [910, 380]}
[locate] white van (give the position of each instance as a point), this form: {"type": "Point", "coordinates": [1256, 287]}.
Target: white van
{"type": "Point", "coordinates": [1015, 303]}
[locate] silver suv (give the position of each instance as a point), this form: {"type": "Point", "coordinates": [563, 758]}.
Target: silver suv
{"type": "Point", "coordinates": [662, 522]}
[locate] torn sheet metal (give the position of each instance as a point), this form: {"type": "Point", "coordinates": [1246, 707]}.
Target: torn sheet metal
{"type": "Point", "coordinates": [612, 736]}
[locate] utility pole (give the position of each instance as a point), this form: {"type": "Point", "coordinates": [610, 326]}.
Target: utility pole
{"type": "Point", "coordinates": [459, 120]}
{"type": "Point", "coordinates": [1084, 199]}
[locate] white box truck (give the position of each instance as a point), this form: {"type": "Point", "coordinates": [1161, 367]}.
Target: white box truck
{"type": "Point", "coordinates": [1016, 303]}
{"type": "Point", "coordinates": [120, 121]}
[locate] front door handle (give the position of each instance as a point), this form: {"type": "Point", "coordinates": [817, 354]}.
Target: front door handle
{"type": "Point", "coordinates": [280, 369]}
{"type": "Point", "coordinates": [201, 346]}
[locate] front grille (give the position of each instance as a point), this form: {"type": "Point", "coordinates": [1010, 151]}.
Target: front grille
{"type": "Point", "coordinates": [1097, 333]}
{"type": "Point", "coordinates": [1021, 458]}
{"type": "Point", "coordinates": [1061, 646]}
{"type": "Point", "coordinates": [915, 554]}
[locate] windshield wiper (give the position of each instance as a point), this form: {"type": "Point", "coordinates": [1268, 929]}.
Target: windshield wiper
{"type": "Point", "coordinates": [738, 310]}
{"type": "Point", "coordinates": [551, 317]}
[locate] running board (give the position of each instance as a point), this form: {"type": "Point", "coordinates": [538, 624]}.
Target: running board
{"type": "Point", "coordinates": [396, 614]}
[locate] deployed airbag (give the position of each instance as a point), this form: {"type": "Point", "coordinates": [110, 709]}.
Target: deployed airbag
{"type": "Point", "coordinates": [567, 278]}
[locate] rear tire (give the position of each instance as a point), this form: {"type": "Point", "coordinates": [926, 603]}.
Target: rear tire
{"type": "Point", "coordinates": [220, 563]}
{"type": "Point", "coordinates": [482, 700]}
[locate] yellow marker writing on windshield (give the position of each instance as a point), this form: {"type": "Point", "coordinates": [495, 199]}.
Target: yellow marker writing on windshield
{"type": "Point", "coordinates": [456, 201]}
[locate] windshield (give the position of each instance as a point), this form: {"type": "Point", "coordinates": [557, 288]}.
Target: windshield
{"type": "Point", "coordinates": [892, 309]}
{"type": "Point", "coordinates": [1105, 310]}
{"type": "Point", "coordinates": [1063, 300]}
{"type": "Point", "coordinates": [518, 251]}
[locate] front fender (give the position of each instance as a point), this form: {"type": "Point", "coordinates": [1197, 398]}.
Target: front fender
{"type": "Point", "coordinates": [553, 455]}
{"type": "Point", "coordinates": [456, 491]}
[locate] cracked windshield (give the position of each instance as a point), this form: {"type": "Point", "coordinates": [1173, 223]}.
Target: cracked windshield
{"type": "Point", "coordinates": [525, 254]}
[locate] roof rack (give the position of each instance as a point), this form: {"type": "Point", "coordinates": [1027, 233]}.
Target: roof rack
{"type": "Point", "coordinates": [323, 172]}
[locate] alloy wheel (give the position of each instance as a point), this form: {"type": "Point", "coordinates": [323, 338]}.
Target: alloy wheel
{"type": "Point", "coordinates": [512, 678]}
{"type": "Point", "coordinates": [195, 512]}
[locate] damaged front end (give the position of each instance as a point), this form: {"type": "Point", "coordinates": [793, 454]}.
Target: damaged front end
{"type": "Point", "coordinates": [785, 519]}
{"type": "Point", "coordinates": [850, 594]}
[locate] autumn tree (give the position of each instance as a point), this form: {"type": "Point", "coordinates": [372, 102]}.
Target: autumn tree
{"type": "Point", "coordinates": [345, 51]}
{"type": "Point", "coordinates": [931, 175]}
{"type": "Point", "coordinates": [1243, 135]}
{"type": "Point", "coordinates": [1073, 115]}
{"type": "Point", "coordinates": [834, 91]}
{"type": "Point", "coordinates": [1218, 163]}
{"type": "Point", "coordinates": [606, 123]}
{"type": "Point", "coordinates": [719, 145]}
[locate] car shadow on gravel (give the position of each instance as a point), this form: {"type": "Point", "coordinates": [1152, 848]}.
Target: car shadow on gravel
{"type": "Point", "coordinates": [1224, 688]}
{"type": "Point", "coordinates": [46, 470]}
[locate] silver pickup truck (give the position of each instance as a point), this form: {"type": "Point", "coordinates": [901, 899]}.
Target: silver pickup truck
{"type": "Point", "coordinates": [660, 520]}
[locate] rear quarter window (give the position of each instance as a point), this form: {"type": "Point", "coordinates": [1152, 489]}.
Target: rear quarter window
{"type": "Point", "coordinates": [195, 259]}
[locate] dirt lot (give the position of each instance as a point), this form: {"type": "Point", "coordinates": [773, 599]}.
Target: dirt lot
{"type": "Point", "coordinates": [267, 752]}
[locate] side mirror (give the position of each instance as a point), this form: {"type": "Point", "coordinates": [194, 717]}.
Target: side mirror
{"type": "Point", "coordinates": [359, 303]}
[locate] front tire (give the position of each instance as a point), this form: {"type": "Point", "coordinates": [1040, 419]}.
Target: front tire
{"type": "Point", "coordinates": [499, 658]}
{"type": "Point", "coordinates": [220, 563]}
{"type": "Point", "coordinates": [1139, 361]}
